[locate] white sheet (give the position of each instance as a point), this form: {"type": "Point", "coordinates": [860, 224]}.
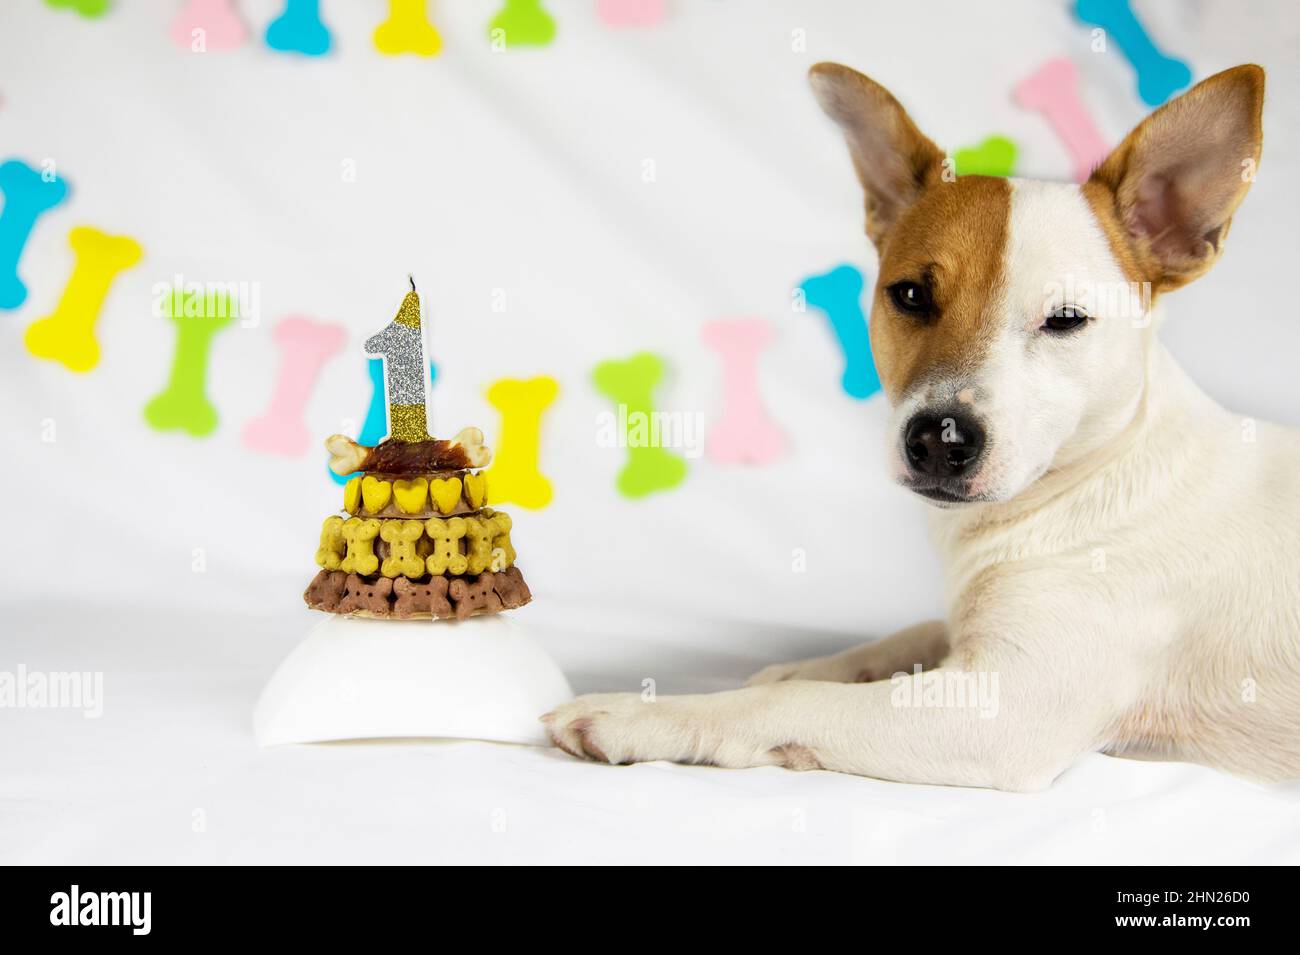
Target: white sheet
{"type": "Point", "coordinates": [523, 171]}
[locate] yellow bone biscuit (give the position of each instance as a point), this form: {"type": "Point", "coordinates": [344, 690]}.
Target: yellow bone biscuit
{"type": "Point", "coordinates": [360, 533]}
{"type": "Point", "coordinates": [481, 536]}
{"type": "Point", "coordinates": [445, 538]}
{"type": "Point", "coordinates": [352, 495]}
{"type": "Point", "coordinates": [445, 493]}
{"type": "Point", "coordinates": [411, 495]}
{"type": "Point", "coordinates": [502, 541]}
{"type": "Point", "coordinates": [402, 559]}
{"type": "Point", "coordinates": [375, 494]}
{"type": "Point", "coordinates": [476, 490]}
{"type": "Point", "coordinates": [332, 548]}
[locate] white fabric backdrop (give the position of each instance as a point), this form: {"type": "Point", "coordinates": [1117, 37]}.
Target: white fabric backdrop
{"type": "Point", "coordinates": [522, 171]}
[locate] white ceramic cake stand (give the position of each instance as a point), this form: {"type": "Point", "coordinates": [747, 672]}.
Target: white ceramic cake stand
{"type": "Point", "coordinates": [355, 678]}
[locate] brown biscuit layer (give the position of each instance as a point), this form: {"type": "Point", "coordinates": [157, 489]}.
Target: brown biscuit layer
{"type": "Point", "coordinates": [432, 598]}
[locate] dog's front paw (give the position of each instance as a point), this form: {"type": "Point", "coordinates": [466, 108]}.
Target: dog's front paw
{"type": "Point", "coordinates": [610, 728]}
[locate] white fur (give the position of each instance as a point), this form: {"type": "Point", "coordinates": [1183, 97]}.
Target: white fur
{"type": "Point", "coordinates": [1134, 586]}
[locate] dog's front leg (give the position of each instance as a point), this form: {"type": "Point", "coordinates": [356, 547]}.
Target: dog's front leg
{"type": "Point", "coordinates": [913, 729]}
{"type": "Point", "coordinates": [924, 645]}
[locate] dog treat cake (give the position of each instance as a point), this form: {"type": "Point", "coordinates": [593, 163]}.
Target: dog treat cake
{"type": "Point", "coordinates": [418, 541]}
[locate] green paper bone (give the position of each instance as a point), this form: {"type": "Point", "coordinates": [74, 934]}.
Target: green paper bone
{"type": "Point", "coordinates": [183, 405]}
{"type": "Point", "coordinates": [522, 23]}
{"type": "Point", "coordinates": [630, 385]}
{"type": "Point", "coordinates": [996, 156]}
{"type": "Point", "coordinates": [87, 8]}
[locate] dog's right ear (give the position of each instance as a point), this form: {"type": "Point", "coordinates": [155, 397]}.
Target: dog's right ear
{"type": "Point", "coordinates": [894, 161]}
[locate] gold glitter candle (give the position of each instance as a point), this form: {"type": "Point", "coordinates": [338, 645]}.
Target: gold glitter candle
{"type": "Point", "coordinates": [401, 346]}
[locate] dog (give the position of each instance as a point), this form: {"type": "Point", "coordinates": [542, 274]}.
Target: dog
{"type": "Point", "coordinates": [1122, 555]}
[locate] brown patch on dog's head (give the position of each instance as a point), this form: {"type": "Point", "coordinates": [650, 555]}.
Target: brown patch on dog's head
{"type": "Point", "coordinates": [1166, 195]}
{"type": "Point", "coordinates": [945, 233]}
{"type": "Point", "coordinates": [951, 241]}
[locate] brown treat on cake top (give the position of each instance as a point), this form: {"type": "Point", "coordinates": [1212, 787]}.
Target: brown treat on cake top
{"type": "Point", "coordinates": [393, 456]}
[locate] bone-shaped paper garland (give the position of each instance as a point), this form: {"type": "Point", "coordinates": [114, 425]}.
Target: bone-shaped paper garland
{"type": "Point", "coordinates": [183, 405]}
{"type": "Point", "coordinates": [630, 384]}
{"type": "Point", "coordinates": [838, 293]}
{"type": "Point", "coordinates": [1159, 76]}
{"type": "Point", "coordinates": [27, 194]}
{"type": "Point", "coordinates": [996, 156]}
{"type": "Point", "coordinates": [87, 8]}
{"type": "Point", "coordinates": [745, 433]}
{"type": "Point", "coordinates": [375, 427]}
{"type": "Point", "coordinates": [305, 346]}
{"type": "Point", "coordinates": [299, 29]}
{"type": "Point", "coordinates": [523, 23]}
{"type": "Point", "coordinates": [630, 13]}
{"type": "Point", "coordinates": [1053, 90]}
{"type": "Point", "coordinates": [67, 335]}
{"type": "Point", "coordinates": [514, 476]}
{"type": "Point", "coordinates": [208, 25]}
{"type": "Point", "coordinates": [407, 30]}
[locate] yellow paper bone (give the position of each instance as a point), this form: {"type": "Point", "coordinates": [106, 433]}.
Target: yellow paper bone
{"type": "Point", "coordinates": [67, 335]}
{"type": "Point", "coordinates": [514, 473]}
{"type": "Point", "coordinates": [407, 30]}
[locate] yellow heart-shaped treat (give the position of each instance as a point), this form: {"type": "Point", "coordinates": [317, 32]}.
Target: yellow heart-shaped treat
{"type": "Point", "coordinates": [411, 495]}
{"type": "Point", "coordinates": [352, 495]}
{"type": "Point", "coordinates": [476, 490]}
{"type": "Point", "coordinates": [376, 494]}
{"type": "Point", "coordinates": [446, 493]}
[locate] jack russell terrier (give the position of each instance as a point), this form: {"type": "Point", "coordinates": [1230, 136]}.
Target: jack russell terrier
{"type": "Point", "coordinates": [1122, 555]}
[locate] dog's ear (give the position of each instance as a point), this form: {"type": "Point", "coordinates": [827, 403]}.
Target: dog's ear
{"type": "Point", "coordinates": [894, 161]}
{"type": "Point", "coordinates": [1177, 178]}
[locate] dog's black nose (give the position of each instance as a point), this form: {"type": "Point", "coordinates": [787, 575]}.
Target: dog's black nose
{"type": "Point", "coordinates": [942, 446]}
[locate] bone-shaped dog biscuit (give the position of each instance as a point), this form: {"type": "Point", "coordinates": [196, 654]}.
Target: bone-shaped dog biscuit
{"type": "Point", "coordinates": [745, 433]}
{"type": "Point", "coordinates": [299, 29]}
{"type": "Point", "coordinates": [523, 23]}
{"type": "Point", "coordinates": [445, 537]}
{"type": "Point", "coordinates": [360, 534]}
{"type": "Point", "coordinates": [183, 404]}
{"type": "Point", "coordinates": [1053, 90]}
{"type": "Point", "coordinates": [305, 346]}
{"type": "Point", "coordinates": [1159, 76]}
{"type": "Point", "coordinates": [838, 293]}
{"type": "Point", "coordinates": [429, 597]}
{"type": "Point", "coordinates": [401, 538]}
{"type": "Point", "coordinates": [27, 194]}
{"type": "Point", "coordinates": [407, 30]}
{"type": "Point", "coordinates": [333, 547]}
{"type": "Point", "coordinates": [208, 25]}
{"type": "Point", "coordinates": [67, 335]}
{"type": "Point", "coordinates": [514, 472]}
{"type": "Point", "coordinates": [630, 384]}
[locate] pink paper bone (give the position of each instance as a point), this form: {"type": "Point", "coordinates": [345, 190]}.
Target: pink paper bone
{"type": "Point", "coordinates": [305, 346]}
{"type": "Point", "coordinates": [630, 13]}
{"type": "Point", "coordinates": [221, 26]}
{"type": "Point", "coordinates": [1053, 90]}
{"type": "Point", "coordinates": [745, 433]}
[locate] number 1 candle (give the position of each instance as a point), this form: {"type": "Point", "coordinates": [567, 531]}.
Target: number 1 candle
{"type": "Point", "coordinates": [401, 346]}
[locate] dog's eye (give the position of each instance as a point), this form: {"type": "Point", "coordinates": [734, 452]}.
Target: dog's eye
{"type": "Point", "coordinates": [1065, 318]}
{"type": "Point", "coordinates": [911, 297]}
